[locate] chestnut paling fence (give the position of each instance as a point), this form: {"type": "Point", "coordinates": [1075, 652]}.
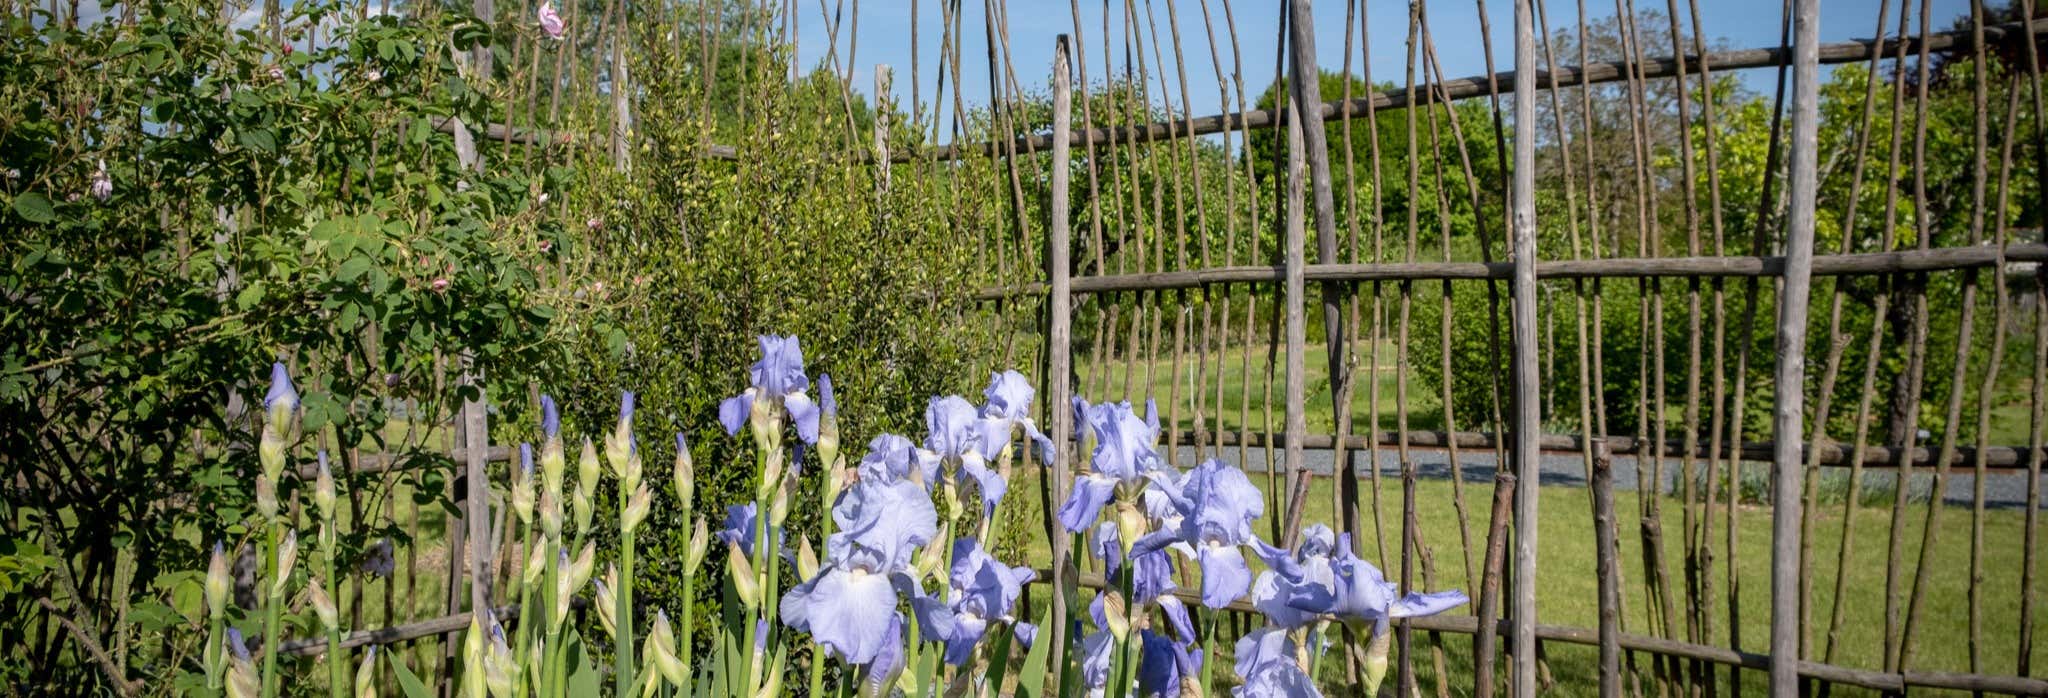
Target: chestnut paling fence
{"type": "Point", "coordinates": [1144, 240]}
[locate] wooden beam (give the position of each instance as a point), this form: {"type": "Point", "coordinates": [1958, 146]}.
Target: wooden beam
{"type": "Point", "coordinates": [1860, 264]}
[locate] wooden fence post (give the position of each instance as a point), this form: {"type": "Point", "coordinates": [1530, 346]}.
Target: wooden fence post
{"type": "Point", "coordinates": [1059, 337]}
{"type": "Point", "coordinates": [1527, 458]}
{"type": "Point", "coordinates": [1607, 565]}
{"type": "Point", "coordinates": [1296, 424]}
{"type": "Point", "coordinates": [1791, 371]}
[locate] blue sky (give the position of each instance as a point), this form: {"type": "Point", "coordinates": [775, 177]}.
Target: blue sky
{"type": "Point", "coordinates": [884, 37]}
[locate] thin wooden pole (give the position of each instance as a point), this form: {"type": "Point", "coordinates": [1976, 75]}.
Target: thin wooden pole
{"type": "Point", "coordinates": [1059, 349]}
{"type": "Point", "coordinates": [1789, 397]}
{"type": "Point", "coordinates": [1608, 566]}
{"type": "Point", "coordinates": [1527, 411]}
{"type": "Point", "coordinates": [1297, 321]}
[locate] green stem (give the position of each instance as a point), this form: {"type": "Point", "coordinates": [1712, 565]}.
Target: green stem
{"type": "Point", "coordinates": [686, 634]}
{"type": "Point", "coordinates": [622, 653]}
{"type": "Point", "coordinates": [216, 657]}
{"type": "Point", "coordinates": [1209, 618]}
{"type": "Point", "coordinates": [271, 621]}
{"type": "Point", "coordinates": [545, 618]}
{"type": "Point", "coordinates": [337, 661]}
{"type": "Point", "coordinates": [523, 635]}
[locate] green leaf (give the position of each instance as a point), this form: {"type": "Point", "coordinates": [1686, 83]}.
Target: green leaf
{"type": "Point", "coordinates": [1031, 679]}
{"type": "Point", "coordinates": [583, 679]}
{"type": "Point", "coordinates": [353, 268]}
{"type": "Point", "coordinates": [35, 207]}
{"type": "Point", "coordinates": [407, 682]}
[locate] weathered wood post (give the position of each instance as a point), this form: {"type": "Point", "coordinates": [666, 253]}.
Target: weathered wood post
{"type": "Point", "coordinates": [1607, 565]}
{"type": "Point", "coordinates": [1527, 410]}
{"type": "Point", "coordinates": [1788, 399]}
{"type": "Point", "coordinates": [1059, 337]}
{"type": "Point", "coordinates": [1296, 282]}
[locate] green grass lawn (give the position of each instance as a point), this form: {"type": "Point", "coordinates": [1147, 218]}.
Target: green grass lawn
{"type": "Point", "coordinates": [1157, 379]}
{"type": "Point", "coordinates": [1567, 586]}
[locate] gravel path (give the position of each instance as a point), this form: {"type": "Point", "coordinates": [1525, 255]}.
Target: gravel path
{"type": "Point", "coordinates": [2006, 490]}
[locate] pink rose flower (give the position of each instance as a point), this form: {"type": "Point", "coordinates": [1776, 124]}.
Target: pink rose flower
{"type": "Point", "coordinates": [550, 22]}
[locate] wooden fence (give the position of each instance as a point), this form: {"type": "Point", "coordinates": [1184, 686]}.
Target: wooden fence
{"type": "Point", "coordinates": [1104, 276]}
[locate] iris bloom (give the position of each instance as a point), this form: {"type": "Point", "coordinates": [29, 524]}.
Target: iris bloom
{"type": "Point", "coordinates": [1008, 408]}
{"type": "Point", "coordinates": [983, 590]}
{"type": "Point", "coordinates": [1124, 453]}
{"type": "Point", "coordinates": [1163, 663]}
{"type": "Point", "coordinates": [740, 522]}
{"type": "Point", "coordinates": [881, 672]}
{"type": "Point", "coordinates": [1095, 662]}
{"type": "Point", "coordinates": [1360, 596]}
{"type": "Point", "coordinates": [955, 437]}
{"type": "Point", "coordinates": [893, 458]}
{"type": "Point", "coordinates": [778, 386]}
{"type": "Point", "coordinates": [1151, 577]}
{"type": "Point", "coordinates": [1216, 503]}
{"type": "Point", "coordinates": [847, 608]}
{"type": "Point", "coordinates": [550, 21]}
{"type": "Point", "coordinates": [1307, 564]}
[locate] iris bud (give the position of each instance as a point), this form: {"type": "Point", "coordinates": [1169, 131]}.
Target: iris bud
{"type": "Point", "coordinates": [686, 474]}
{"type": "Point", "coordinates": [552, 466]}
{"type": "Point", "coordinates": [1130, 524]}
{"type": "Point", "coordinates": [366, 674]}
{"type": "Point", "coordinates": [266, 496]}
{"type": "Point", "coordinates": [700, 542]}
{"type": "Point", "coordinates": [473, 664]}
{"type": "Point", "coordinates": [550, 515]}
{"type": "Point", "coordinates": [806, 561]}
{"type": "Point", "coordinates": [586, 468]}
{"type": "Point", "coordinates": [662, 639]}
{"type": "Point", "coordinates": [323, 606]}
{"type": "Point", "coordinates": [323, 489]}
{"type": "Point", "coordinates": [522, 485]}
{"type": "Point", "coordinates": [743, 577]}
{"type": "Point", "coordinates": [583, 508]}
{"type": "Point", "coordinates": [287, 556]}
{"type": "Point", "coordinates": [607, 614]}
{"type": "Point", "coordinates": [635, 511]}
{"type": "Point", "coordinates": [217, 582]}
{"type": "Point", "coordinates": [1115, 612]}
{"type": "Point", "coordinates": [1376, 663]}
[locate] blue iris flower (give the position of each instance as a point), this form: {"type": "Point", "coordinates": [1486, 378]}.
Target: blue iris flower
{"type": "Point", "coordinates": [954, 437]}
{"type": "Point", "coordinates": [1217, 504]}
{"type": "Point", "coordinates": [1163, 662]}
{"type": "Point", "coordinates": [983, 590]}
{"type": "Point", "coordinates": [779, 378]}
{"type": "Point", "coordinates": [1307, 565]}
{"type": "Point", "coordinates": [550, 417]}
{"type": "Point", "coordinates": [740, 522]}
{"type": "Point", "coordinates": [893, 458]}
{"type": "Point", "coordinates": [1008, 407]}
{"type": "Point", "coordinates": [281, 390]}
{"type": "Point", "coordinates": [1265, 660]}
{"type": "Point", "coordinates": [847, 607]}
{"type": "Point", "coordinates": [1357, 593]}
{"type": "Point", "coordinates": [1124, 453]}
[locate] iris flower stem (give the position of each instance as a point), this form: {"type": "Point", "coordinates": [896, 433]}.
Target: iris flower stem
{"type": "Point", "coordinates": [686, 634]}
{"type": "Point", "coordinates": [1209, 618]}
{"type": "Point", "coordinates": [546, 615]}
{"type": "Point", "coordinates": [216, 656]}
{"type": "Point", "coordinates": [272, 600]}
{"type": "Point", "coordinates": [337, 662]}
{"type": "Point", "coordinates": [524, 633]}
{"type": "Point", "coordinates": [1119, 674]}
{"type": "Point", "coordinates": [622, 653]}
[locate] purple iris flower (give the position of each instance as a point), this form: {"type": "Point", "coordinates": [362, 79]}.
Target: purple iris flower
{"type": "Point", "coordinates": [848, 606]}
{"type": "Point", "coordinates": [281, 391]}
{"type": "Point", "coordinates": [983, 590]}
{"type": "Point", "coordinates": [777, 377]}
{"type": "Point", "coordinates": [1359, 594]}
{"type": "Point", "coordinates": [1008, 406]}
{"type": "Point", "coordinates": [1151, 578]}
{"type": "Point", "coordinates": [1095, 661]}
{"type": "Point", "coordinates": [892, 458]}
{"type": "Point", "coordinates": [1163, 662]}
{"type": "Point", "coordinates": [740, 522]}
{"type": "Point", "coordinates": [881, 673]}
{"type": "Point", "coordinates": [826, 402]}
{"type": "Point", "coordinates": [550, 417]}
{"type": "Point", "coordinates": [1124, 453]}
{"type": "Point", "coordinates": [1216, 503]}
{"type": "Point", "coordinates": [1308, 564]}
{"type": "Point", "coordinates": [956, 436]}
{"type": "Point", "coordinates": [1265, 660]}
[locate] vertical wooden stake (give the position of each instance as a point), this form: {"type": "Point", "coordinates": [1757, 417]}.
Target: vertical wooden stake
{"type": "Point", "coordinates": [1791, 374]}
{"type": "Point", "coordinates": [1527, 411]}
{"type": "Point", "coordinates": [1486, 639]}
{"type": "Point", "coordinates": [1297, 321]}
{"type": "Point", "coordinates": [1608, 566]}
{"type": "Point", "coordinates": [1059, 337]}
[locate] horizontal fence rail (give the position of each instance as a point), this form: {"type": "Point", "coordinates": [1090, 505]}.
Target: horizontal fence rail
{"type": "Point", "coordinates": [1859, 264]}
{"type": "Point", "coordinates": [2001, 458]}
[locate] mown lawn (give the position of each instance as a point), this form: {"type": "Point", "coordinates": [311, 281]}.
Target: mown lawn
{"type": "Point", "coordinates": [1567, 586]}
